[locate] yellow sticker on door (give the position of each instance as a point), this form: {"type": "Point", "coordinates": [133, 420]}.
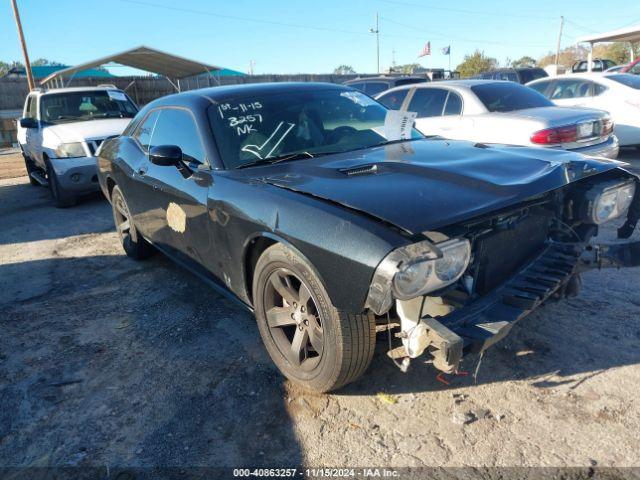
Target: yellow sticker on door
{"type": "Point", "coordinates": [176, 218]}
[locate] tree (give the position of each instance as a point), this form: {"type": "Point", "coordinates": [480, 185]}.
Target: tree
{"type": "Point", "coordinates": [43, 62]}
{"type": "Point", "coordinates": [525, 61]}
{"type": "Point", "coordinates": [568, 56]}
{"type": "Point", "coordinates": [344, 70]}
{"type": "Point", "coordinates": [617, 51]}
{"type": "Point", "coordinates": [408, 68]}
{"type": "Point", "coordinates": [5, 67]}
{"type": "Point", "coordinates": [476, 63]}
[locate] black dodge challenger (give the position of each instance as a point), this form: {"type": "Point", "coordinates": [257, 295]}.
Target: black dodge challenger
{"type": "Point", "coordinates": [333, 220]}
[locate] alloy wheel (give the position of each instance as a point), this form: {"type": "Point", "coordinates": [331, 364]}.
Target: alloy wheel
{"type": "Point", "coordinates": [293, 319]}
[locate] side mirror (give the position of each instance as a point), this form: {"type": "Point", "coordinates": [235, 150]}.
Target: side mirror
{"type": "Point", "coordinates": [165, 155]}
{"type": "Point", "coordinates": [28, 123]}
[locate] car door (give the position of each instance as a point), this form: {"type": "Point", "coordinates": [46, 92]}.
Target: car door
{"type": "Point", "coordinates": [177, 195]}
{"type": "Point", "coordinates": [439, 111]}
{"type": "Point", "coordinates": [31, 138]}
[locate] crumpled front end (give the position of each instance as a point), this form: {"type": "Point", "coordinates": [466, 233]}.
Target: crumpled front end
{"type": "Point", "coordinates": [518, 259]}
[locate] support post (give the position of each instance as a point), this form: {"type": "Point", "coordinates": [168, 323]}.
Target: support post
{"type": "Point", "coordinates": [559, 40]}
{"type": "Point", "coordinates": [25, 54]}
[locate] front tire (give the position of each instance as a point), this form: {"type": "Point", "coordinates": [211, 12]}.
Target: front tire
{"type": "Point", "coordinates": [61, 199]}
{"type": "Point", "coordinates": [133, 244]}
{"type": "Point", "coordinates": [309, 340]}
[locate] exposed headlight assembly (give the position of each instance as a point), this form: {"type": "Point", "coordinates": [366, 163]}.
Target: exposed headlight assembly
{"type": "Point", "coordinates": [607, 201]}
{"type": "Point", "coordinates": [418, 269]}
{"type": "Point", "coordinates": [69, 150]}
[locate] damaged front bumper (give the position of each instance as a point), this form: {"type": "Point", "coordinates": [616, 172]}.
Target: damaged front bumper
{"type": "Point", "coordinates": [476, 326]}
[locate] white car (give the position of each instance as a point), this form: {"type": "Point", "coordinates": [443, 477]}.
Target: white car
{"type": "Point", "coordinates": [60, 131]}
{"type": "Point", "coordinates": [617, 93]}
{"type": "Point", "coordinates": [493, 111]}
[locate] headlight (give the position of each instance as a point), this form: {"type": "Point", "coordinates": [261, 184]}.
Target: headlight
{"type": "Point", "coordinates": [67, 150]}
{"type": "Point", "coordinates": [608, 201]}
{"type": "Point", "coordinates": [424, 273]}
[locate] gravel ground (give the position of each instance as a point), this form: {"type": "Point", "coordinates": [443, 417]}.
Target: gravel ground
{"type": "Point", "coordinates": [109, 362]}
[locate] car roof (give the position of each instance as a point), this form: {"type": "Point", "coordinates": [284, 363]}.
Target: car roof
{"type": "Point", "coordinates": [384, 78]}
{"type": "Point", "coordinates": [75, 89]}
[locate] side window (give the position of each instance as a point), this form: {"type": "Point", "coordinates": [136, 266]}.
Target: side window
{"type": "Point", "coordinates": [571, 89]}
{"type": "Point", "coordinates": [374, 88]}
{"type": "Point", "coordinates": [144, 131]}
{"type": "Point", "coordinates": [453, 105]}
{"type": "Point", "coordinates": [393, 100]}
{"type": "Point", "coordinates": [598, 89]}
{"type": "Point", "coordinates": [540, 87]}
{"type": "Point", "coordinates": [428, 102]}
{"type": "Point", "coordinates": [31, 110]}
{"type": "Point", "coordinates": [177, 127]}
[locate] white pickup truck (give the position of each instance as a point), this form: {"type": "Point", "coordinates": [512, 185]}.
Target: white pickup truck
{"type": "Point", "coordinates": [60, 131]}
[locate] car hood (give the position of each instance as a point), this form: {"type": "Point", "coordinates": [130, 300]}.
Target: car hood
{"type": "Point", "coordinates": [91, 129]}
{"type": "Point", "coordinates": [556, 116]}
{"type": "Point", "coordinates": [427, 184]}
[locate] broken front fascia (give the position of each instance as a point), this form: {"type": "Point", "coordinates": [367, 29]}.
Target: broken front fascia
{"type": "Point", "coordinates": [428, 323]}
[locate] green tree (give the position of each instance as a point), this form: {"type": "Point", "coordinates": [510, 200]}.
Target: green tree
{"type": "Point", "coordinates": [43, 62]}
{"type": "Point", "coordinates": [476, 63]}
{"type": "Point", "coordinates": [344, 70]}
{"type": "Point", "coordinates": [525, 61]}
{"type": "Point", "coordinates": [408, 68]}
{"type": "Point", "coordinates": [568, 56]}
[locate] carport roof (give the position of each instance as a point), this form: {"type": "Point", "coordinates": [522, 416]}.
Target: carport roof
{"type": "Point", "coordinates": [144, 58]}
{"type": "Point", "coordinates": [627, 34]}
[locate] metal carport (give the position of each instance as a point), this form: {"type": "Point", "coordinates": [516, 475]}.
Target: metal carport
{"type": "Point", "coordinates": [627, 34]}
{"type": "Point", "coordinates": [173, 67]}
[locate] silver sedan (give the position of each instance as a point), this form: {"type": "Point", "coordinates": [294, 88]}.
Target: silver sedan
{"type": "Point", "coordinates": [502, 112]}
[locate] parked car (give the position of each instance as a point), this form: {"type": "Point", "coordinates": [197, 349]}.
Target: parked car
{"type": "Point", "coordinates": [374, 85]}
{"type": "Point", "coordinates": [519, 75]}
{"type": "Point", "coordinates": [598, 65]}
{"type": "Point", "coordinates": [60, 131]}
{"type": "Point", "coordinates": [490, 111]}
{"type": "Point", "coordinates": [617, 93]}
{"type": "Point", "coordinates": [323, 213]}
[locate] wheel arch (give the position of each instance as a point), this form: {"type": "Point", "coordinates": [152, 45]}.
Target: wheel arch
{"type": "Point", "coordinates": [254, 247]}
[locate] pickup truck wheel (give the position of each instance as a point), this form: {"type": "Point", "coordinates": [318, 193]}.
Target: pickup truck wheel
{"type": "Point", "coordinates": [31, 167]}
{"type": "Point", "coordinates": [61, 199]}
{"type": "Point", "coordinates": [134, 245]}
{"type": "Point", "coordinates": [309, 340]}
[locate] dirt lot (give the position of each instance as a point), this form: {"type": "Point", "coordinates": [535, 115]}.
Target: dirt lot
{"type": "Point", "coordinates": [108, 362]}
{"type": "Point", "coordinates": [11, 164]}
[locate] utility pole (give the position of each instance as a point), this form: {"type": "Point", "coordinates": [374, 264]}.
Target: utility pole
{"type": "Point", "coordinates": [559, 38]}
{"type": "Point", "coordinates": [27, 63]}
{"type": "Point", "coordinates": [377, 32]}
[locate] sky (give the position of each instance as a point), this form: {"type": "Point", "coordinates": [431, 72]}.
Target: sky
{"type": "Point", "coordinates": [301, 36]}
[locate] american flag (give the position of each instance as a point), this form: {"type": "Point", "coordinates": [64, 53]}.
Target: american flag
{"type": "Point", "coordinates": [426, 50]}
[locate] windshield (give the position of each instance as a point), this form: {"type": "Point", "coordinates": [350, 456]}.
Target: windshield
{"type": "Point", "coordinates": [632, 81]}
{"type": "Point", "coordinates": [508, 96]}
{"type": "Point", "coordinates": [250, 129]}
{"type": "Point", "coordinates": [87, 105]}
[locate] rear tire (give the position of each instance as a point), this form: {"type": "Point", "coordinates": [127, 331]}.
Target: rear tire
{"type": "Point", "coordinates": [30, 167]}
{"type": "Point", "coordinates": [61, 199]}
{"type": "Point", "coordinates": [134, 245]}
{"type": "Point", "coordinates": [310, 341]}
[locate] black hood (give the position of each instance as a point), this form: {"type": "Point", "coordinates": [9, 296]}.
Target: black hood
{"type": "Point", "coordinates": [428, 184]}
